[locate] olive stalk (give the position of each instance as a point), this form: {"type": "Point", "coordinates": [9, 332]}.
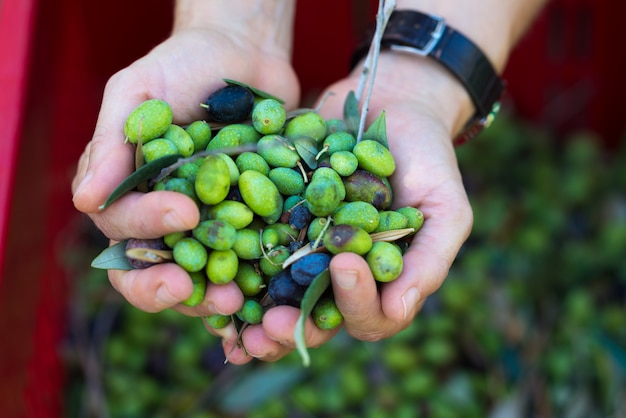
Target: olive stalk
{"type": "Point", "coordinates": [368, 74]}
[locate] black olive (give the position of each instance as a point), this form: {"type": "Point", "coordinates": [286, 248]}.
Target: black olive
{"type": "Point", "coordinates": [230, 104]}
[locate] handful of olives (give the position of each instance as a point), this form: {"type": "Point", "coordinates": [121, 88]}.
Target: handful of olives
{"type": "Point", "coordinates": [279, 194]}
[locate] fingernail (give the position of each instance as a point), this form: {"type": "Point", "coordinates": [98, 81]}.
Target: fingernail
{"type": "Point", "coordinates": [409, 300]}
{"type": "Point", "coordinates": [84, 183]}
{"type": "Point", "coordinates": [211, 307]}
{"type": "Point", "coordinates": [165, 297]}
{"type": "Point", "coordinates": [173, 221]}
{"type": "Point", "coordinates": [346, 279]}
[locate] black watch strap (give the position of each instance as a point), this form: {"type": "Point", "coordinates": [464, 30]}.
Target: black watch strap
{"type": "Point", "coordinates": [427, 35]}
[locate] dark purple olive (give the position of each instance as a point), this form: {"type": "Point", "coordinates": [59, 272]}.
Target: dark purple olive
{"type": "Point", "coordinates": [230, 104]}
{"type": "Point", "coordinates": [366, 187]}
{"type": "Point", "coordinates": [284, 290]}
{"type": "Point", "coordinates": [152, 244]}
{"type": "Point", "coordinates": [305, 269]}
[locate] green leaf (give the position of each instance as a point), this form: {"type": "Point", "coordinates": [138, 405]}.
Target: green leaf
{"type": "Point", "coordinates": [377, 131]}
{"type": "Point", "coordinates": [307, 150]}
{"type": "Point", "coordinates": [143, 173]}
{"type": "Point", "coordinates": [260, 93]}
{"type": "Point", "coordinates": [113, 258]}
{"type": "Point", "coordinates": [313, 293]}
{"type": "Point", "coordinates": [253, 387]}
{"type": "Point", "coordinates": [351, 112]}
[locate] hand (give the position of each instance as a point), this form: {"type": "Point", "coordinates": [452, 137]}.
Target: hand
{"type": "Point", "coordinates": [183, 71]}
{"type": "Point", "coordinates": [422, 117]}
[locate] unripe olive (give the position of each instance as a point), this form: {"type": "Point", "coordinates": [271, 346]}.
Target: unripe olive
{"type": "Point", "coordinates": [233, 136]}
{"type": "Point", "coordinates": [200, 133]}
{"type": "Point", "coordinates": [218, 235]}
{"type": "Point", "coordinates": [309, 124]}
{"type": "Point", "coordinates": [385, 261]}
{"type": "Point", "coordinates": [235, 213]}
{"type": "Point", "coordinates": [190, 254]}
{"type": "Point", "coordinates": [261, 195]}
{"type": "Point", "coordinates": [148, 121]}
{"type": "Point", "coordinates": [268, 116]}
{"type": "Point", "coordinates": [181, 139]}
{"type": "Point", "coordinates": [277, 151]}
{"type": "Point", "coordinates": [361, 214]}
{"type": "Point", "coordinates": [375, 158]}
{"type": "Point", "coordinates": [213, 180]}
{"type": "Point", "coordinates": [222, 266]}
{"type": "Point", "coordinates": [199, 289]}
{"type": "Point", "coordinates": [158, 148]}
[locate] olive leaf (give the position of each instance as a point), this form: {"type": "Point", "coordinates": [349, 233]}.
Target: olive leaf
{"type": "Point", "coordinates": [377, 131]}
{"type": "Point", "coordinates": [307, 150]}
{"type": "Point", "coordinates": [351, 113]}
{"type": "Point", "coordinates": [262, 94]}
{"type": "Point", "coordinates": [143, 173]}
{"type": "Point", "coordinates": [113, 258]}
{"type": "Point", "coordinates": [139, 162]}
{"type": "Point", "coordinates": [313, 293]}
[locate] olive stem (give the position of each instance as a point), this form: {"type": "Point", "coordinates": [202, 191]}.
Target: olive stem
{"type": "Point", "coordinates": [385, 7]}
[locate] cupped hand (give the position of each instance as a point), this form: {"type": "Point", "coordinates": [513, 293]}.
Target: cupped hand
{"type": "Point", "coordinates": [183, 71]}
{"type": "Point", "coordinates": [424, 109]}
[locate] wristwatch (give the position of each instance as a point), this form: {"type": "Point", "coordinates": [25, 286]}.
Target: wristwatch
{"type": "Point", "coordinates": [428, 35]}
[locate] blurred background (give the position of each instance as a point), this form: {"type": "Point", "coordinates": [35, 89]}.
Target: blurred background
{"type": "Point", "coordinates": [530, 323]}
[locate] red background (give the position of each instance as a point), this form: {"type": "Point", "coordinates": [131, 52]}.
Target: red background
{"type": "Point", "coordinates": [566, 74]}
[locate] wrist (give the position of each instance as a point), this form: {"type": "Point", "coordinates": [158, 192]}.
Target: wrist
{"type": "Point", "coordinates": [424, 84]}
{"type": "Point", "coordinates": [266, 23]}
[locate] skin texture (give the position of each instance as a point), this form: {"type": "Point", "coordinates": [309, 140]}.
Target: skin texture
{"type": "Point", "coordinates": [425, 107]}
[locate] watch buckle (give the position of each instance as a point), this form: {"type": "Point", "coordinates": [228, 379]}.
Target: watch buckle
{"type": "Point", "coordinates": [435, 36]}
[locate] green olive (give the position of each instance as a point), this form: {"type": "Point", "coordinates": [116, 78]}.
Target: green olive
{"type": "Point", "coordinates": [261, 195]}
{"type": "Point", "coordinates": [148, 121]}
{"type": "Point", "coordinates": [158, 148]}
{"type": "Point", "coordinates": [385, 261]}
{"type": "Point", "coordinates": [199, 289]}
{"type": "Point", "coordinates": [213, 180]}
{"type": "Point", "coordinates": [190, 254]}
{"type": "Point", "coordinates": [181, 139]}
{"type": "Point", "coordinates": [268, 116]}
{"type": "Point", "coordinates": [222, 266]}
{"type": "Point", "coordinates": [375, 158]}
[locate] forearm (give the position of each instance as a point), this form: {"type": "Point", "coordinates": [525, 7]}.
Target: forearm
{"type": "Point", "coordinates": [269, 23]}
{"type": "Point", "coordinates": [494, 25]}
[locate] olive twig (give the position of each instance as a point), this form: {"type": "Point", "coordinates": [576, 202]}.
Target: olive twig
{"type": "Point", "coordinates": [385, 8]}
{"type": "Point", "coordinates": [202, 154]}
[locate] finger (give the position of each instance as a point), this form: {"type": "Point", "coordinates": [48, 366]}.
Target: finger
{"type": "Point", "coordinates": [235, 353]}
{"type": "Point", "coordinates": [279, 324]}
{"type": "Point", "coordinates": [109, 158]}
{"type": "Point", "coordinates": [356, 295]}
{"type": "Point", "coordinates": [224, 299]}
{"type": "Point", "coordinates": [258, 345]}
{"type": "Point", "coordinates": [147, 215]}
{"type": "Point", "coordinates": [427, 261]}
{"type": "Point", "coordinates": [155, 288]}
{"type": "Point", "coordinates": [228, 333]}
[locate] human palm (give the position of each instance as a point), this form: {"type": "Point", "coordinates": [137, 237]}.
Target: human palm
{"type": "Point", "coordinates": [183, 71]}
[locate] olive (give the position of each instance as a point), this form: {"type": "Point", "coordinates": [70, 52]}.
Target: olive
{"type": "Point", "coordinates": [148, 121]}
{"type": "Point", "coordinates": [230, 104]}
{"type": "Point", "coordinates": [152, 244]}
